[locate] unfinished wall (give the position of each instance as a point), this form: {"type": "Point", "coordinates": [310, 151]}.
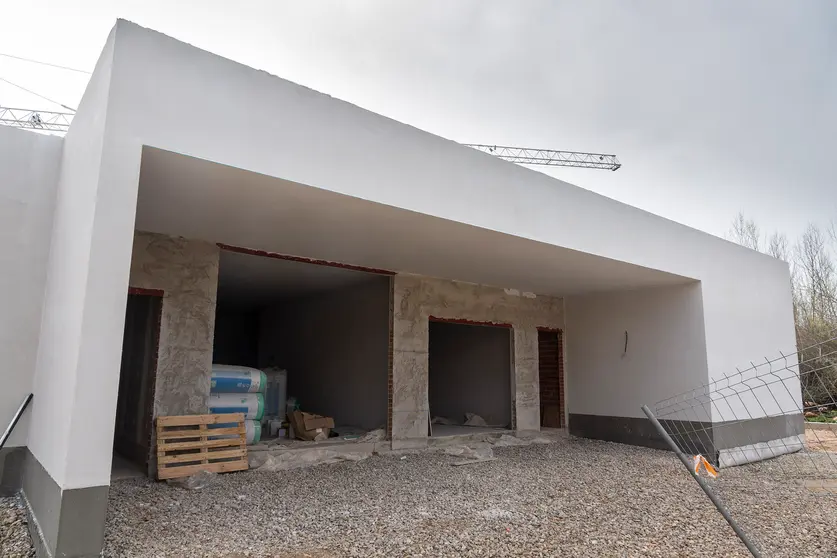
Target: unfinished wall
{"type": "Point", "coordinates": [470, 372]}
{"type": "Point", "coordinates": [417, 298]}
{"type": "Point", "coordinates": [334, 345]}
{"type": "Point", "coordinates": [187, 272]}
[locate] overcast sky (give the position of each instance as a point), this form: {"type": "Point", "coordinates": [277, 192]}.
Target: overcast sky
{"type": "Point", "coordinates": [713, 107]}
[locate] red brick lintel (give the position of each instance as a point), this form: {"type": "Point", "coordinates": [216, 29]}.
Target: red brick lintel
{"type": "Point", "coordinates": [300, 259]}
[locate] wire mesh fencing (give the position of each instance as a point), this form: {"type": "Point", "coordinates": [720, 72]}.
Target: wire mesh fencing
{"type": "Point", "coordinates": [783, 410]}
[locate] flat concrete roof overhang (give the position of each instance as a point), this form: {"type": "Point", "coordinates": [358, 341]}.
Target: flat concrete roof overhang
{"type": "Point", "coordinates": [194, 198]}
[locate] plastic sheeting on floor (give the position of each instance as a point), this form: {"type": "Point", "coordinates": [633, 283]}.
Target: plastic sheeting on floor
{"type": "Point", "coordinates": [298, 459]}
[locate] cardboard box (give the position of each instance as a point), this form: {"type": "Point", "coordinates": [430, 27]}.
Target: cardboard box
{"type": "Point", "coordinates": [313, 422]}
{"type": "Point", "coordinates": [308, 426]}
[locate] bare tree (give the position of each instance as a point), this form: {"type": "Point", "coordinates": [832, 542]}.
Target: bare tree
{"type": "Point", "coordinates": [745, 232]}
{"type": "Point", "coordinates": [777, 246]}
{"type": "Point", "coordinates": [813, 273]}
{"type": "Point", "coordinates": [817, 278]}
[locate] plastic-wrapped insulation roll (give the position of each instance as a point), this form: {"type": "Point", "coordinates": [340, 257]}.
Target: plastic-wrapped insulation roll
{"type": "Point", "coordinates": [254, 431]}
{"type": "Point", "coordinates": [277, 392]}
{"type": "Point", "coordinates": [252, 427]}
{"type": "Point", "coordinates": [251, 404]}
{"type": "Point", "coordinates": [237, 379]}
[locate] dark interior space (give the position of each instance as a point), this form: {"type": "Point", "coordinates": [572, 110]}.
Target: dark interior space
{"type": "Point", "coordinates": [236, 335]}
{"type": "Point", "coordinates": [327, 326]}
{"type": "Point", "coordinates": [550, 356]}
{"type": "Point", "coordinates": [334, 345]}
{"type": "Point", "coordinates": [135, 400]}
{"type": "Point", "coordinates": [470, 372]}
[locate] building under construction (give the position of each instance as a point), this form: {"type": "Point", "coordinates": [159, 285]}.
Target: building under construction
{"type": "Point", "coordinates": [395, 276]}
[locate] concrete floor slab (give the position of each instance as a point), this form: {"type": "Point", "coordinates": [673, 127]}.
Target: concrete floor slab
{"type": "Point", "coordinates": [123, 468]}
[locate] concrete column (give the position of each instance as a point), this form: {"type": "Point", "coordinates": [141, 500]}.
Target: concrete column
{"type": "Point", "coordinates": [527, 412]}
{"type": "Point", "coordinates": [187, 273]}
{"type": "Point", "coordinates": [410, 366]}
{"type": "Point", "coordinates": [67, 474]}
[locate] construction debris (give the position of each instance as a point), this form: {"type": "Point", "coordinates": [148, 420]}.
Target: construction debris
{"type": "Point", "coordinates": [472, 419]}
{"type": "Point", "coordinates": [475, 451]}
{"type": "Point", "coordinates": [197, 481]}
{"type": "Point", "coordinates": [308, 426]}
{"type": "Point", "coordinates": [472, 461]}
{"type": "Point", "coordinates": [287, 460]}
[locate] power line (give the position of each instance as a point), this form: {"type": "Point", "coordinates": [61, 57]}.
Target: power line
{"type": "Point", "coordinates": [37, 94]}
{"type": "Point", "coordinates": [59, 66]}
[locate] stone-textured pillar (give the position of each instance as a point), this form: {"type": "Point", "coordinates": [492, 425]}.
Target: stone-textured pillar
{"type": "Point", "coordinates": [527, 412]}
{"type": "Point", "coordinates": [416, 299]}
{"type": "Point", "coordinates": [187, 273]}
{"type": "Point", "coordinates": [410, 380]}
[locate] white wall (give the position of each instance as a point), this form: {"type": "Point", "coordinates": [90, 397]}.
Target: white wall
{"type": "Point", "coordinates": [29, 167]}
{"type": "Point", "coordinates": [746, 295]}
{"type": "Point", "coordinates": [748, 313]}
{"type": "Point", "coordinates": [79, 352]}
{"type": "Point", "coordinates": [666, 349]}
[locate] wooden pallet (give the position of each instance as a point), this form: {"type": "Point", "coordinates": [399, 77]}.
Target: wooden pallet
{"type": "Point", "coordinates": [186, 445]}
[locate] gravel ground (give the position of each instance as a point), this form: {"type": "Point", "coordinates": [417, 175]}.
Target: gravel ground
{"type": "Point", "coordinates": [14, 536]}
{"type": "Point", "coordinates": [572, 498]}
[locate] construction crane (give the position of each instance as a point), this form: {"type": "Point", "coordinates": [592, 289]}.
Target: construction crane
{"type": "Point", "coordinates": [60, 122]}
{"type": "Point", "coordinates": [36, 119]}
{"type": "Point", "coordinates": [550, 157]}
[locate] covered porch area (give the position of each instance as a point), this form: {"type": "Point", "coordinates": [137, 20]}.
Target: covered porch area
{"type": "Point", "coordinates": [469, 308]}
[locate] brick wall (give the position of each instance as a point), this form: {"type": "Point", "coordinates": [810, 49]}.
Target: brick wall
{"type": "Point", "coordinates": [551, 377]}
{"type": "Point", "coordinates": [561, 404]}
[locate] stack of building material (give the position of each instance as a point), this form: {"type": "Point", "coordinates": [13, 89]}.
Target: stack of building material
{"type": "Point", "coordinates": [275, 402]}
{"type": "Point", "coordinates": [239, 389]}
{"type": "Point", "coordinates": [276, 395]}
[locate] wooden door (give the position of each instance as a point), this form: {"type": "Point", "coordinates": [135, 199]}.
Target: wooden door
{"type": "Point", "coordinates": [550, 371]}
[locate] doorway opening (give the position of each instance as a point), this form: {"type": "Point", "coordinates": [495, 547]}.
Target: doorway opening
{"type": "Point", "coordinates": [551, 377]}
{"type": "Point", "coordinates": [470, 377]}
{"type": "Point", "coordinates": [132, 437]}
{"type": "Point", "coordinates": [324, 327]}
